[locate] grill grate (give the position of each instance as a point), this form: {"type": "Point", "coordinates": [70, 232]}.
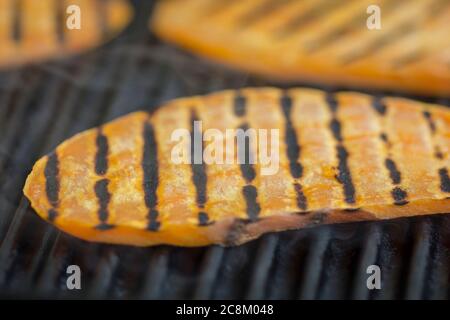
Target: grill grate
{"type": "Point", "coordinates": [40, 106]}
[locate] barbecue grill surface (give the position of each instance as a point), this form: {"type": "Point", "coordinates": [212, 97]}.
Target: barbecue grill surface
{"type": "Point", "coordinates": [42, 105]}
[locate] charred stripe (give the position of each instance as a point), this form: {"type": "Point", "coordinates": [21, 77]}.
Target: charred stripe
{"type": "Point", "coordinates": [203, 219]}
{"type": "Point", "coordinates": [293, 148]}
{"type": "Point", "coordinates": [301, 199]}
{"type": "Point", "coordinates": [239, 104]}
{"type": "Point", "coordinates": [51, 173]}
{"type": "Point", "coordinates": [380, 43]}
{"type": "Point", "coordinates": [399, 196]}
{"type": "Point", "coordinates": [250, 194]}
{"type": "Point", "coordinates": [151, 175]}
{"type": "Point", "coordinates": [262, 11]}
{"type": "Point", "coordinates": [60, 22]}
{"type": "Point", "coordinates": [247, 170]}
{"type": "Point", "coordinates": [393, 171]}
{"type": "Point", "coordinates": [102, 14]}
{"type": "Point", "coordinates": [103, 196]}
{"type": "Point", "coordinates": [438, 153]}
{"type": "Point", "coordinates": [430, 121]}
{"type": "Point", "coordinates": [308, 16]}
{"type": "Point", "coordinates": [101, 158]}
{"type": "Point", "coordinates": [445, 179]}
{"type": "Point", "coordinates": [16, 27]}
{"type": "Point", "coordinates": [344, 175]}
{"type": "Point", "coordinates": [379, 106]}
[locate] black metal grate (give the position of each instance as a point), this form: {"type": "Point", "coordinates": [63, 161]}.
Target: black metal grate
{"type": "Point", "coordinates": [41, 106]}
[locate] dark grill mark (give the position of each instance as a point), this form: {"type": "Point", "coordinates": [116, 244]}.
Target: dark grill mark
{"type": "Point", "coordinates": [380, 43]}
{"type": "Point", "coordinates": [262, 11]}
{"type": "Point", "coordinates": [51, 173]}
{"type": "Point", "coordinates": [103, 196]}
{"type": "Point", "coordinates": [102, 18]}
{"type": "Point", "coordinates": [60, 22]}
{"type": "Point", "coordinates": [379, 106]}
{"type": "Point", "coordinates": [203, 219]}
{"type": "Point", "coordinates": [217, 6]}
{"type": "Point", "coordinates": [239, 103]}
{"type": "Point", "coordinates": [153, 223]}
{"type": "Point", "coordinates": [336, 34]}
{"type": "Point", "coordinates": [101, 158]}
{"type": "Point", "coordinates": [250, 194]}
{"type": "Point", "coordinates": [331, 102]}
{"type": "Point", "coordinates": [344, 176]}
{"type": "Point", "coordinates": [438, 153]}
{"type": "Point", "coordinates": [293, 148]}
{"type": "Point", "coordinates": [399, 196]}
{"type": "Point", "coordinates": [393, 171]}
{"type": "Point", "coordinates": [430, 121]}
{"type": "Point", "coordinates": [51, 215]}
{"type": "Point", "coordinates": [384, 138]}
{"type": "Point", "coordinates": [335, 127]}
{"type": "Point", "coordinates": [247, 170]}
{"type": "Point", "coordinates": [352, 24]}
{"type": "Point", "coordinates": [445, 180]}
{"type": "Point", "coordinates": [16, 27]}
{"type": "Point", "coordinates": [409, 58]}
{"type": "Point", "coordinates": [301, 199]}
{"type": "Point", "coordinates": [313, 14]}
{"type": "Point", "coordinates": [151, 175]}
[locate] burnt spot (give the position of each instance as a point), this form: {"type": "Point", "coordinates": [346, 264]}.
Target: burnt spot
{"type": "Point", "coordinates": [253, 208]}
{"type": "Point", "coordinates": [445, 180]}
{"type": "Point", "coordinates": [430, 121]}
{"type": "Point", "coordinates": [400, 196]}
{"type": "Point", "coordinates": [239, 105]}
{"type": "Point", "coordinates": [393, 171]}
{"type": "Point", "coordinates": [151, 175]}
{"type": "Point", "coordinates": [301, 199]}
{"type": "Point", "coordinates": [293, 148]}
{"type": "Point", "coordinates": [379, 106]}
{"type": "Point", "coordinates": [51, 173]}
{"type": "Point", "coordinates": [101, 158]}
{"type": "Point", "coordinates": [103, 196]}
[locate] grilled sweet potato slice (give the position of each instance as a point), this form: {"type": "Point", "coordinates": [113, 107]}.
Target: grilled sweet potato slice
{"type": "Point", "coordinates": [324, 41]}
{"type": "Point", "coordinates": [33, 30]}
{"type": "Point", "coordinates": [342, 157]}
